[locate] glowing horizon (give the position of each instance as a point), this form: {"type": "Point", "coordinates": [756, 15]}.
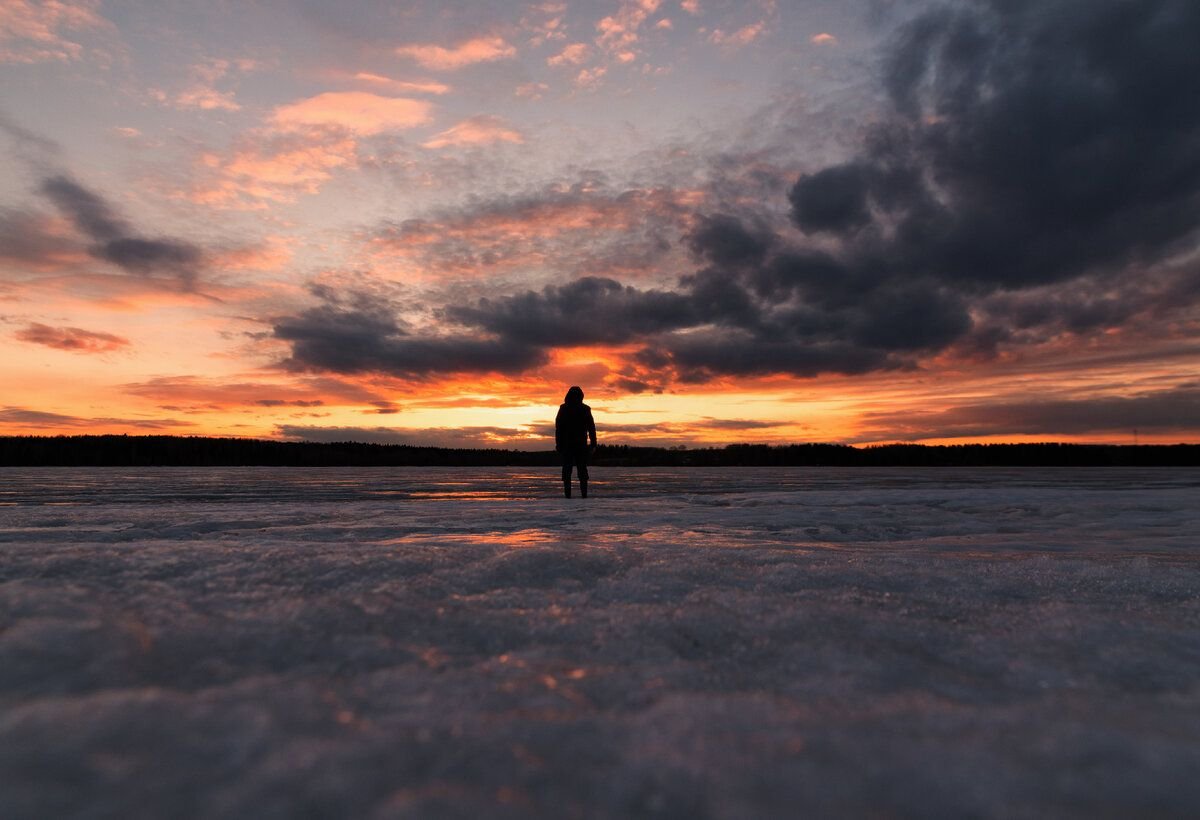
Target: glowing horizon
{"type": "Point", "coordinates": [728, 222]}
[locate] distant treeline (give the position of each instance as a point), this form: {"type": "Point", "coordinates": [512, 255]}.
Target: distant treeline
{"type": "Point", "coordinates": [200, 451]}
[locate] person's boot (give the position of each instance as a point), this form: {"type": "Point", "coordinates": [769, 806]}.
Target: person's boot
{"type": "Point", "coordinates": [567, 489]}
{"type": "Point", "coordinates": [583, 489]}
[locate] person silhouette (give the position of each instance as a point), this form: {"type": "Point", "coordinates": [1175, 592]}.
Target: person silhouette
{"type": "Point", "coordinates": [574, 438]}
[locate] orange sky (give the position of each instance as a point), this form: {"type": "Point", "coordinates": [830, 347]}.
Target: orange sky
{"type": "Point", "coordinates": [725, 221]}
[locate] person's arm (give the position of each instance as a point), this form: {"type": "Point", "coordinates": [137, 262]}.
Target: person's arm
{"type": "Point", "coordinates": [558, 430]}
{"type": "Point", "coordinates": [591, 428]}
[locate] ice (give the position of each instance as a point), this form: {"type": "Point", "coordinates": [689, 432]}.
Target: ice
{"type": "Point", "coordinates": [685, 643]}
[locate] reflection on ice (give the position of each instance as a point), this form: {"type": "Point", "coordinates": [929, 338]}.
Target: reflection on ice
{"type": "Point", "coordinates": [942, 511]}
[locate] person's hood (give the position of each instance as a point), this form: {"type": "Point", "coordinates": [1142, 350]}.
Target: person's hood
{"type": "Point", "coordinates": [574, 396]}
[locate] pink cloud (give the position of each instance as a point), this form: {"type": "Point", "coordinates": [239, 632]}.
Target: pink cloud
{"type": "Point", "coordinates": [34, 32]}
{"type": "Point", "coordinates": [619, 32]}
{"type": "Point", "coordinates": [276, 167]}
{"type": "Point", "coordinates": [742, 37]}
{"type": "Point", "coordinates": [573, 54]}
{"type": "Point", "coordinates": [590, 78]}
{"type": "Point", "coordinates": [531, 91]}
{"type": "Point", "coordinates": [478, 50]}
{"type": "Point", "coordinates": [203, 93]}
{"type": "Point", "coordinates": [479, 130]}
{"type": "Point", "coordinates": [357, 111]}
{"type": "Point", "coordinates": [401, 86]}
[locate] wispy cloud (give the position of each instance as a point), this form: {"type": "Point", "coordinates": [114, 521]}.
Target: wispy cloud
{"type": "Point", "coordinates": [202, 93]}
{"type": "Point", "coordinates": [400, 86]}
{"type": "Point", "coordinates": [467, 437]}
{"type": "Point", "coordinates": [23, 418]}
{"type": "Point", "coordinates": [1173, 410]}
{"type": "Point", "coordinates": [743, 36]}
{"type": "Point", "coordinates": [73, 339]}
{"type": "Point", "coordinates": [480, 130]}
{"type": "Point", "coordinates": [478, 50]}
{"type": "Point", "coordinates": [114, 241]}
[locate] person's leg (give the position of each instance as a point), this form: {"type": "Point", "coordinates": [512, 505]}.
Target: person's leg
{"type": "Point", "coordinates": [566, 474]}
{"type": "Point", "coordinates": [581, 464]}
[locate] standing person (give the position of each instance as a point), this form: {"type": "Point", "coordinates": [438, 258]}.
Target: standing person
{"type": "Point", "coordinates": [574, 438]}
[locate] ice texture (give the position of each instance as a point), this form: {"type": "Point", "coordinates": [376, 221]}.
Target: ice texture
{"type": "Point", "coordinates": [733, 643]}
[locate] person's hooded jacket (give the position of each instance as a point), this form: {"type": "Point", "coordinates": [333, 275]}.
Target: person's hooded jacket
{"type": "Point", "coordinates": [574, 427]}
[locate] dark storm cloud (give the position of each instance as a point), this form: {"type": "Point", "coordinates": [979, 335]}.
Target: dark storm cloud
{"type": "Point", "coordinates": [590, 310]}
{"type": "Point", "coordinates": [1031, 142]}
{"type": "Point", "coordinates": [1035, 172]}
{"type": "Point", "coordinates": [350, 334]}
{"type": "Point", "coordinates": [1030, 146]}
{"type": "Point", "coordinates": [834, 199]}
{"type": "Point", "coordinates": [1163, 411]}
{"type": "Point", "coordinates": [726, 241]}
{"type": "Point", "coordinates": [115, 241]}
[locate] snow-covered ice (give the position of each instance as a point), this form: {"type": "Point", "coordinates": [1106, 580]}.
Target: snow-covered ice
{"type": "Point", "coordinates": [264, 642]}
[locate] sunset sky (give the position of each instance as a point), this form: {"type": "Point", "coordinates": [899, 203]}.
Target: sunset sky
{"type": "Point", "coordinates": [765, 221]}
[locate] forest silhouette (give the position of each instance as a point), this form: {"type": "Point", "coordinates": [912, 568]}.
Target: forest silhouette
{"type": "Point", "coordinates": [203, 451]}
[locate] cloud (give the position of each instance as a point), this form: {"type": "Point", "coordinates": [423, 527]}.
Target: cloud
{"type": "Point", "coordinates": [402, 86]}
{"type": "Point", "coordinates": [618, 33]}
{"type": "Point", "coordinates": [34, 32]}
{"type": "Point", "coordinates": [276, 166]}
{"type": "Point", "coordinates": [992, 175]}
{"type": "Point", "coordinates": [353, 333]}
{"type": "Point", "coordinates": [38, 242]}
{"type": "Point", "coordinates": [588, 311]}
{"type": "Point", "coordinates": [115, 242]}
{"type": "Point", "coordinates": [823, 39]}
{"type": "Point", "coordinates": [997, 170]}
{"type": "Point", "coordinates": [196, 393]}
{"type": "Point", "coordinates": [73, 339]}
{"type": "Point", "coordinates": [531, 91]}
{"type": "Point", "coordinates": [357, 111]}
{"type": "Point", "coordinates": [203, 93]}
{"type": "Point", "coordinates": [453, 437]}
{"type": "Point", "coordinates": [478, 130]}
{"type": "Point", "coordinates": [590, 78]}
{"type": "Point", "coordinates": [25, 419]}
{"type": "Point", "coordinates": [743, 36]}
{"type": "Point", "coordinates": [34, 149]}
{"type": "Point", "coordinates": [478, 50]}
{"type": "Point", "coordinates": [1025, 177]}
{"type": "Point", "coordinates": [573, 54]}
{"type": "Point", "coordinates": [1168, 411]}
{"type": "Point", "coordinates": [545, 22]}
{"type": "Point", "coordinates": [576, 228]}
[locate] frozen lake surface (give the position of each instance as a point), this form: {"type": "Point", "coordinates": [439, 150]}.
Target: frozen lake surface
{"type": "Point", "coordinates": [458, 642]}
